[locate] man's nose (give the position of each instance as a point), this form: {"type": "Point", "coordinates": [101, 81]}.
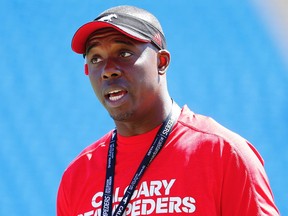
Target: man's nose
{"type": "Point", "coordinates": [110, 70]}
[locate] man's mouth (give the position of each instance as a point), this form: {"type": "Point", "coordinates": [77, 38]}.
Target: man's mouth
{"type": "Point", "coordinates": [115, 95]}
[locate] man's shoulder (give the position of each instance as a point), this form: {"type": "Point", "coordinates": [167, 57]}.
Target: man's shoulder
{"type": "Point", "coordinates": [103, 142]}
{"type": "Point", "coordinates": [209, 129]}
{"type": "Point", "coordinates": [206, 125]}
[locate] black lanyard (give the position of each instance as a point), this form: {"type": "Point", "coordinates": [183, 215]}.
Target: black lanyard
{"type": "Point", "coordinates": [156, 146]}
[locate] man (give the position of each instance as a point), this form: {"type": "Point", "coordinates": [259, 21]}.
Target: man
{"type": "Point", "coordinates": [160, 159]}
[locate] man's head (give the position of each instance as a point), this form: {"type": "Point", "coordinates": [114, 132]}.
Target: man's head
{"type": "Point", "coordinates": [134, 22]}
{"type": "Point", "coordinates": [127, 60]}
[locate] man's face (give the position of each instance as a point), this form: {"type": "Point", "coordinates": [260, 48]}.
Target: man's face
{"type": "Point", "coordinates": [123, 73]}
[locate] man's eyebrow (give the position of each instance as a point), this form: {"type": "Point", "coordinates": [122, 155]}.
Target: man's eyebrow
{"type": "Point", "coordinates": [88, 48]}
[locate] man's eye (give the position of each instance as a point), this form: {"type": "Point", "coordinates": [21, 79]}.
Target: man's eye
{"type": "Point", "coordinates": [95, 60]}
{"type": "Point", "coordinates": [125, 54]}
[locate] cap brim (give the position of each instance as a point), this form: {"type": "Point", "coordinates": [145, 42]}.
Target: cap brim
{"type": "Point", "coordinates": [80, 37]}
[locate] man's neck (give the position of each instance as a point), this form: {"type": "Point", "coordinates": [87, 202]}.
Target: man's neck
{"type": "Point", "coordinates": [146, 123]}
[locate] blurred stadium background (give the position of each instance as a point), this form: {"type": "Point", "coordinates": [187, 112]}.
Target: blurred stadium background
{"type": "Point", "coordinates": [229, 61]}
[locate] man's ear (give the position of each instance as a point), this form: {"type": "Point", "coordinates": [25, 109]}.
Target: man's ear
{"type": "Point", "coordinates": [163, 61]}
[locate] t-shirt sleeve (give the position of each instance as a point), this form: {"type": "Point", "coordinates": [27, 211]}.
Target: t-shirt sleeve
{"type": "Point", "coordinates": [245, 186]}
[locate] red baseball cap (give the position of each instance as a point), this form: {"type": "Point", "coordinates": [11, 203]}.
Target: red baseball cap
{"type": "Point", "coordinates": [123, 20]}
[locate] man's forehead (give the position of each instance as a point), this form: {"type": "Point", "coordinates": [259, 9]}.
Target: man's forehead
{"type": "Point", "coordinates": [106, 33]}
{"type": "Point", "coordinates": [112, 36]}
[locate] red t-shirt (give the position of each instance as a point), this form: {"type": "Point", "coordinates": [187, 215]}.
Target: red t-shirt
{"type": "Point", "coordinates": [203, 170]}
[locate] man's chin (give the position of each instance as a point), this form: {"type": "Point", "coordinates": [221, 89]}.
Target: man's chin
{"type": "Point", "coordinates": [121, 116]}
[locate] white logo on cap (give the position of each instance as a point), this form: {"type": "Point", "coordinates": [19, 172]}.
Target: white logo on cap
{"type": "Point", "coordinates": [108, 18]}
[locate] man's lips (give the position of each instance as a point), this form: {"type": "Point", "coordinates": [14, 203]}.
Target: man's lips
{"type": "Point", "coordinates": [115, 95]}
